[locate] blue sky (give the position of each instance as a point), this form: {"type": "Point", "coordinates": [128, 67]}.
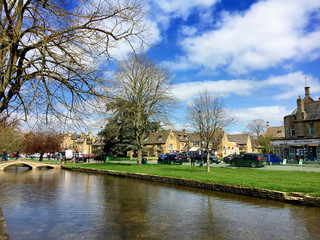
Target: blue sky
{"type": "Point", "coordinates": [255, 54]}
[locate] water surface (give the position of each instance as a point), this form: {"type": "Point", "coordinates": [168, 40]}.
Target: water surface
{"type": "Point", "coordinates": [60, 204]}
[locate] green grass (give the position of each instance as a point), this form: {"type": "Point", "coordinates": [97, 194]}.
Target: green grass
{"type": "Point", "coordinates": [122, 159]}
{"type": "Point", "coordinates": [285, 181]}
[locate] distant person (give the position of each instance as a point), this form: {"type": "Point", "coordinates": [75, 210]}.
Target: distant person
{"type": "Point", "coordinates": [297, 157]}
{"type": "Point", "coordinates": [17, 154]}
{"type": "Point", "coordinates": [60, 158]}
{"type": "Point", "coordinates": [193, 159]}
{"type": "Point", "coordinates": [4, 155]}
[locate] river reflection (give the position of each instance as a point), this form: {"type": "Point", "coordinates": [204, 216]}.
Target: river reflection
{"type": "Point", "coordinates": [58, 204]}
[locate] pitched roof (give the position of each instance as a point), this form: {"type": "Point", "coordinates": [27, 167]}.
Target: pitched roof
{"type": "Point", "coordinates": [312, 110]}
{"type": "Point", "coordinates": [241, 139]}
{"type": "Point", "coordinates": [275, 131]}
{"type": "Point", "coordinates": [157, 137]}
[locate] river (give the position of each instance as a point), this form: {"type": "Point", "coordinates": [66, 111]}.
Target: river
{"type": "Point", "coordinates": [61, 204]}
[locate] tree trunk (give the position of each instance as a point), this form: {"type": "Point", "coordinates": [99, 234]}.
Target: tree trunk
{"type": "Point", "coordinates": [139, 157]}
{"type": "Point", "coordinates": [208, 160]}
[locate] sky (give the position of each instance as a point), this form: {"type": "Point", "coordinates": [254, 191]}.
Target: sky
{"type": "Point", "coordinates": [257, 55]}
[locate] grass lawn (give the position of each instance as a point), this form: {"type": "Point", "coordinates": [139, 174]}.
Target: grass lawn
{"type": "Point", "coordinates": [285, 181]}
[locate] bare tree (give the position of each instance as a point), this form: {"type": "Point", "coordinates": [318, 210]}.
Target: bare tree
{"type": "Point", "coordinates": [209, 116]}
{"type": "Point", "coordinates": [50, 51]}
{"type": "Point", "coordinates": [257, 128]}
{"type": "Point", "coordinates": [143, 88]}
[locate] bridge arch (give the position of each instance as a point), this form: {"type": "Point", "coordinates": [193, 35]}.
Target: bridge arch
{"type": "Point", "coordinates": [43, 166]}
{"type": "Point", "coordinates": [17, 164]}
{"type": "Point", "coordinates": [30, 165]}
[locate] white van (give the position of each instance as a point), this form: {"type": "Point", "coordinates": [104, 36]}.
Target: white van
{"type": "Point", "coordinates": [68, 154]}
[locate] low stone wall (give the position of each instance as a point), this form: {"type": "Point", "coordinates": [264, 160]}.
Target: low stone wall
{"type": "Point", "coordinates": [294, 198]}
{"type": "Point", "coordinates": [3, 228]}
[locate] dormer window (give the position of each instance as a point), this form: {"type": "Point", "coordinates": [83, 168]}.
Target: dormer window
{"type": "Point", "coordinates": [179, 136]}
{"type": "Point", "coordinates": [160, 138]}
{"type": "Point", "coordinates": [145, 139]}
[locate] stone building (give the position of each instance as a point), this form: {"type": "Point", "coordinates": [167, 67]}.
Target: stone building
{"type": "Point", "coordinates": [80, 143]}
{"type": "Point", "coordinates": [302, 131]}
{"type": "Point", "coordinates": [165, 141]}
{"type": "Point", "coordinates": [275, 132]}
{"type": "Point", "coordinates": [243, 141]}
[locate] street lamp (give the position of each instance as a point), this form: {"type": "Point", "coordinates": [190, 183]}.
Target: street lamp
{"type": "Point", "coordinates": [89, 142]}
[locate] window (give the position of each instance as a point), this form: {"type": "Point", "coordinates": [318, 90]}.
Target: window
{"type": "Point", "coordinates": [145, 139]}
{"type": "Point", "coordinates": [286, 132]}
{"type": "Point", "coordinates": [179, 136]}
{"type": "Point", "coordinates": [160, 138]}
{"type": "Point", "coordinates": [311, 129]}
{"type": "Point", "coordinates": [292, 131]}
{"type": "Point", "coordinates": [195, 143]}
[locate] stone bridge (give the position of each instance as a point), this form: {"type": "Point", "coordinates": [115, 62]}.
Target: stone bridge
{"type": "Point", "coordinates": [30, 164]}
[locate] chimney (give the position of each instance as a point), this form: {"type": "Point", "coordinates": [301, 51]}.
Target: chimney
{"type": "Point", "coordinates": [69, 134]}
{"type": "Point", "coordinates": [268, 124]}
{"type": "Point", "coordinates": [301, 114]}
{"type": "Point", "coordinates": [307, 91]}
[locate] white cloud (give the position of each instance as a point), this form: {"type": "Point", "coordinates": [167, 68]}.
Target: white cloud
{"type": "Point", "coordinates": [182, 8]}
{"type": "Point", "coordinates": [188, 31]}
{"type": "Point", "coordinates": [268, 34]}
{"type": "Point", "coordinates": [185, 91]}
{"type": "Point", "coordinates": [290, 84]}
{"type": "Point", "coordinates": [273, 114]}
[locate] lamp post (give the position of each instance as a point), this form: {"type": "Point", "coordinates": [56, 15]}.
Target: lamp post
{"type": "Point", "coordinates": [89, 142]}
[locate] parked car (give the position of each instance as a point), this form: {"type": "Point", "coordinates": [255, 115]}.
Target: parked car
{"type": "Point", "coordinates": [227, 159]}
{"type": "Point", "coordinates": [212, 159]}
{"type": "Point", "coordinates": [185, 156]}
{"type": "Point", "coordinates": [79, 157]}
{"type": "Point", "coordinates": [248, 160]}
{"type": "Point", "coordinates": [272, 159]}
{"type": "Point", "coordinates": [170, 158]}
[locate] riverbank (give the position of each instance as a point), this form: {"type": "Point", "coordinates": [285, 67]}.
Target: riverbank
{"type": "Point", "coordinates": [3, 228]}
{"type": "Point", "coordinates": [283, 196]}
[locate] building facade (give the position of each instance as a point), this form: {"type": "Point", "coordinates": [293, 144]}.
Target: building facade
{"type": "Point", "coordinates": [302, 132]}
{"type": "Point", "coordinates": [79, 143]}
{"type": "Point", "coordinates": [166, 141]}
